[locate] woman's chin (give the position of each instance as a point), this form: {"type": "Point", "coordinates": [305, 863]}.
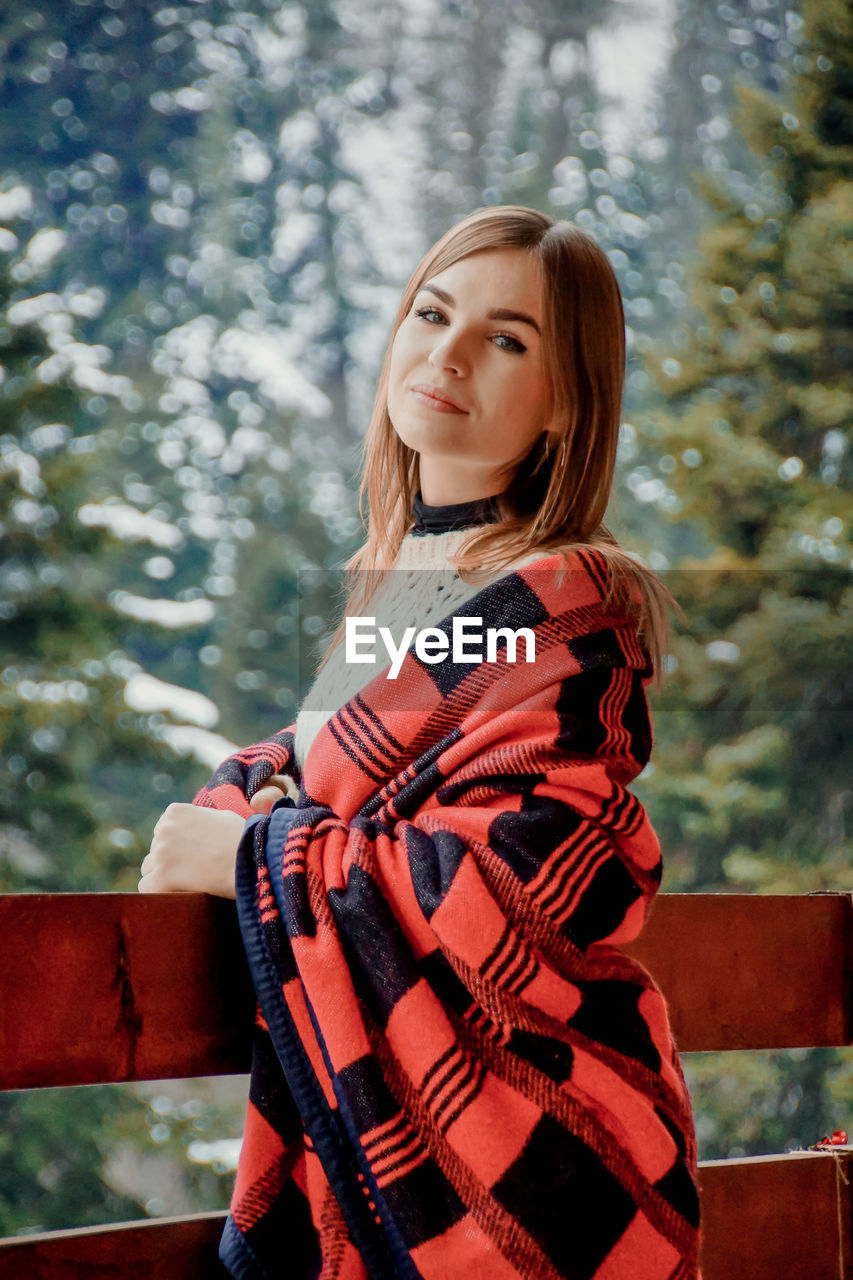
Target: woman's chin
{"type": "Point", "coordinates": [434, 439]}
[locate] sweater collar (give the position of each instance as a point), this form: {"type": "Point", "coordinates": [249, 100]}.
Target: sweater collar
{"type": "Point", "coordinates": [456, 515]}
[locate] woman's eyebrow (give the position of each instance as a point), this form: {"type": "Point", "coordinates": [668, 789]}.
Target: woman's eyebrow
{"type": "Point", "coordinates": [498, 313]}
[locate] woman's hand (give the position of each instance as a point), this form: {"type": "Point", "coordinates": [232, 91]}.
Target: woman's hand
{"type": "Point", "coordinates": [193, 850]}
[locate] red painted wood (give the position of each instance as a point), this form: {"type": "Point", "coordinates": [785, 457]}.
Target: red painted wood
{"type": "Point", "coordinates": [100, 987]}
{"type": "Point", "coordinates": [776, 1218]}
{"type": "Point", "coordinates": [764, 1218]}
{"type": "Point", "coordinates": [160, 1249]}
{"type": "Point", "coordinates": [107, 987]}
{"type": "Point", "coordinates": [744, 971]}
{"type": "Point", "coordinates": [120, 986]}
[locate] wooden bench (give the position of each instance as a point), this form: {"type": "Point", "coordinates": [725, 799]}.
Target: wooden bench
{"type": "Point", "coordinates": [98, 988]}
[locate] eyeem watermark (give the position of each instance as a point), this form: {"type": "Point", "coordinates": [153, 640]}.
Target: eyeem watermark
{"type": "Point", "coordinates": [433, 645]}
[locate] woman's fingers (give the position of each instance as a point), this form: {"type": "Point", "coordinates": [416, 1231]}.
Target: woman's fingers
{"type": "Point", "coordinates": [273, 789]}
{"type": "Point", "coordinates": [280, 781]}
{"type": "Point", "coordinates": [149, 882]}
{"type": "Point", "coordinates": [151, 869]}
{"type": "Point", "coordinates": [262, 801]}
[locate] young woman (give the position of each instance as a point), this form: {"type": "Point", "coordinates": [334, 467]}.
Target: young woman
{"type": "Point", "coordinates": [456, 1070]}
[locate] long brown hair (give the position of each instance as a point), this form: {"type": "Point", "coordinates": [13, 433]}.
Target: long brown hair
{"type": "Point", "coordinates": [559, 494]}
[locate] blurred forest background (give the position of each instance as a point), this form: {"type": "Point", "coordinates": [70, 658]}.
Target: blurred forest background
{"type": "Point", "coordinates": [207, 212]}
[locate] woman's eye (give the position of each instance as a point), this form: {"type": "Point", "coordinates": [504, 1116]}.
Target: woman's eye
{"type": "Point", "coordinates": [514, 346]}
{"type": "Point", "coordinates": [507, 337]}
{"type": "Point", "coordinates": [425, 311]}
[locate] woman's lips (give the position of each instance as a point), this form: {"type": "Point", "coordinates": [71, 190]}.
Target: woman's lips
{"type": "Point", "coordinates": [432, 400]}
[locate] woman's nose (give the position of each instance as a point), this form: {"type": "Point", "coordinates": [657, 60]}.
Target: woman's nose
{"type": "Point", "coordinates": [449, 352]}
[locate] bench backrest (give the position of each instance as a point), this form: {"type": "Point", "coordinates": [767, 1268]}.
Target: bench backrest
{"type": "Point", "coordinates": [97, 988]}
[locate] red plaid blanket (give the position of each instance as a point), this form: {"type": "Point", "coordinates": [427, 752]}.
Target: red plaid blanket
{"type": "Point", "coordinates": [455, 1071]}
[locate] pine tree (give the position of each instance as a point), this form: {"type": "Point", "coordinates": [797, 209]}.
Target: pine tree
{"type": "Point", "coordinates": [751, 782]}
{"type": "Point", "coordinates": [717, 51]}
{"type": "Point", "coordinates": [68, 744]}
{"type": "Point", "coordinates": [76, 763]}
{"type": "Point", "coordinates": [53, 1154]}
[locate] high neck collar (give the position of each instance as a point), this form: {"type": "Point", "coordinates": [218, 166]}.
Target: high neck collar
{"type": "Point", "coordinates": [456, 515]}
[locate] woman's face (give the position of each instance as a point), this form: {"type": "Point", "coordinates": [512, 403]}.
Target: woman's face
{"type": "Point", "coordinates": [472, 336]}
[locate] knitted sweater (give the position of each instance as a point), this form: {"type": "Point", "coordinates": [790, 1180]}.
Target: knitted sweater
{"type": "Point", "coordinates": [418, 591]}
